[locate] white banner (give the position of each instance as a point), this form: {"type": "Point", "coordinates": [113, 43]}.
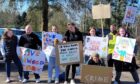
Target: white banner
{"type": "Point", "coordinates": [32, 60]}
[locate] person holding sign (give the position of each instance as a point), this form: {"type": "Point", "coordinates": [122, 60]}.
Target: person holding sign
{"type": "Point", "coordinates": [92, 32]}
{"type": "Point", "coordinates": [111, 44]}
{"type": "Point", "coordinates": [30, 40]}
{"type": "Point", "coordinates": [9, 52]}
{"type": "Point", "coordinates": [52, 60]}
{"type": "Point", "coordinates": [124, 66]}
{"type": "Point", "coordinates": [72, 34]}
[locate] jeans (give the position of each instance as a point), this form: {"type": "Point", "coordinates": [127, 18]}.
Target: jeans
{"type": "Point", "coordinates": [18, 64]}
{"type": "Point", "coordinates": [52, 65]}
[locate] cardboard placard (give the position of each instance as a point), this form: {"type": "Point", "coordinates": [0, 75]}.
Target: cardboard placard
{"type": "Point", "coordinates": [96, 45]}
{"type": "Point", "coordinates": [69, 53]}
{"type": "Point", "coordinates": [101, 11]}
{"type": "Point", "coordinates": [91, 74]}
{"type": "Point", "coordinates": [124, 49]}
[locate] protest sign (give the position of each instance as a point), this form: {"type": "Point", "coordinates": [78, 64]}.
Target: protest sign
{"type": "Point", "coordinates": [48, 41]}
{"type": "Point", "coordinates": [124, 49]}
{"type": "Point", "coordinates": [96, 45]}
{"type": "Point", "coordinates": [69, 53]}
{"type": "Point", "coordinates": [32, 60]}
{"type": "Point", "coordinates": [91, 74]}
{"type": "Point", "coordinates": [101, 11]}
{"type": "Point", "coordinates": [130, 14]}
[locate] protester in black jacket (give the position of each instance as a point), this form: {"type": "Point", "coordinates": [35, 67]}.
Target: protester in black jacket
{"type": "Point", "coordinates": [72, 34]}
{"type": "Point", "coordinates": [124, 66]}
{"type": "Point", "coordinates": [9, 52]}
{"type": "Point", "coordinates": [29, 40]}
{"type": "Point", "coordinates": [95, 60]}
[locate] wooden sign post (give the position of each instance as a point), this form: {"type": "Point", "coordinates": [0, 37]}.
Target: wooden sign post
{"type": "Point", "coordinates": [101, 12]}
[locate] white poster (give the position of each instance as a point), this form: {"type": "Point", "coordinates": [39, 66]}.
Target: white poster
{"type": "Point", "coordinates": [32, 60]}
{"type": "Point", "coordinates": [96, 45]}
{"type": "Point", "coordinates": [48, 42]}
{"type": "Point", "coordinates": [124, 49]}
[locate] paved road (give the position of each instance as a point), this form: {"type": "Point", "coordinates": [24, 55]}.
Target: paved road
{"type": "Point", "coordinates": [126, 77]}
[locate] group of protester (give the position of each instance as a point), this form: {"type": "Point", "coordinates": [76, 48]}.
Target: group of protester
{"type": "Point", "coordinates": [30, 40]}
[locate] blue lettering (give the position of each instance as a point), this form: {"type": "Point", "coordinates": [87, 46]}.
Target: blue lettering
{"type": "Point", "coordinates": [32, 52]}
{"type": "Point", "coordinates": [41, 63]}
{"type": "Point", "coordinates": [29, 60]}
{"type": "Point", "coordinates": [33, 62]}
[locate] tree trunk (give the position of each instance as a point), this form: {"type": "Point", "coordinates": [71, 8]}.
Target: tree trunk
{"type": "Point", "coordinates": [45, 14]}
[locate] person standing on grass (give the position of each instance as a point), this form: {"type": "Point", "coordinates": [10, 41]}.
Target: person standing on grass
{"type": "Point", "coordinates": [32, 41]}
{"type": "Point", "coordinates": [9, 52]}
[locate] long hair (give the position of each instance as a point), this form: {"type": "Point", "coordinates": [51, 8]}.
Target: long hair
{"type": "Point", "coordinates": [92, 27]}
{"type": "Point", "coordinates": [4, 37]}
{"type": "Point", "coordinates": [119, 31]}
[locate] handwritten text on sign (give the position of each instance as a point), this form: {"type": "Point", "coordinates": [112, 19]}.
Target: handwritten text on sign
{"type": "Point", "coordinates": [91, 74]}
{"type": "Point", "coordinates": [48, 39]}
{"type": "Point", "coordinates": [48, 42]}
{"type": "Point", "coordinates": [32, 60]}
{"type": "Point", "coordinates": [91, 78]}
{"type": "Point", "coordinates": [69, 53]}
